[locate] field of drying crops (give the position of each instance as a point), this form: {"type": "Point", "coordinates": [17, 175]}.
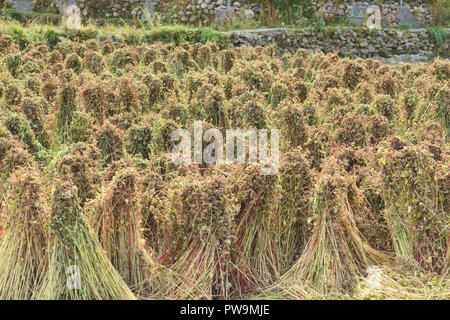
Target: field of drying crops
{"type": "Point", "coordinates": [360, 207]}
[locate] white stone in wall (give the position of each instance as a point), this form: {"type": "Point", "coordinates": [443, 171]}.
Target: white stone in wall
{"type": "Point", "coordinates": [249, 14]}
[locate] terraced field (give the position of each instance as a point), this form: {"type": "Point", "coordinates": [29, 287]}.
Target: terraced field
{"type": "Point", "coordinates": [359, 208]}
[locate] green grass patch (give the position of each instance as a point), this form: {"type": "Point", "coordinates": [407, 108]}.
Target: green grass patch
{"type": "Point", "coordinates": [23, 36]}
{"type": "Point", "coordinates": [441, 37]}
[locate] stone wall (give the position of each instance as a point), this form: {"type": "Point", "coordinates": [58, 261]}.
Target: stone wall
{"type": "Point", "coordinates": [23, 5]}
{"type": "Point", "coordinates": [420, 12]}
{"type": "Point", "coordinates": [207, 11]}
{"type": "Point", "coordinates": [109, 8]}
{"type": "Point", "coordinates": [385, 44]}
{"type": "Point", "coordinates": [90, 8]}
{"type": "Point", "coordinates": [204, 12]}
{"type": "Point", "coordinates": [189, 12]}
{"type": "Point", "coordinates": [393, 13]}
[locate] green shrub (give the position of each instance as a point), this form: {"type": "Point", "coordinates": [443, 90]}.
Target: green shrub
{"type": "Point", "coordinates": [66, 108]}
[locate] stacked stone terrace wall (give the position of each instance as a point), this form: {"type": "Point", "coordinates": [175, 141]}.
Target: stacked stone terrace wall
{"type": "Point", "coordinates": [393, 13]}
{"type": "Point", "coordinates": [403, 45]}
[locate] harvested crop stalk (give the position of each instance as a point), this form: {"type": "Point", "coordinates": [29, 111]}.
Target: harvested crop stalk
{"type": "Point", "coordinates": [393, 283]}
{"type": "Point", "coordinates": [73, 245]}
{"type": "Point", "coordinates": [336, 253]}
{"type": "Point", "coordinates": [117, 221]}
{"type": "Point", "coordinates": [256, 225]}
{"type": "Point", "coordinates": [296, 180]}
{"type": "Point", "coordinates": [23, 245]}
{"type": "Point", "coordinates": [80, 166]}
{"type": "Point", "coordinates": [415, 205]}
{"type": "Point", "coordinates": [200, 221]}
{"type": "Point", "coordinates": [66, 108]}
